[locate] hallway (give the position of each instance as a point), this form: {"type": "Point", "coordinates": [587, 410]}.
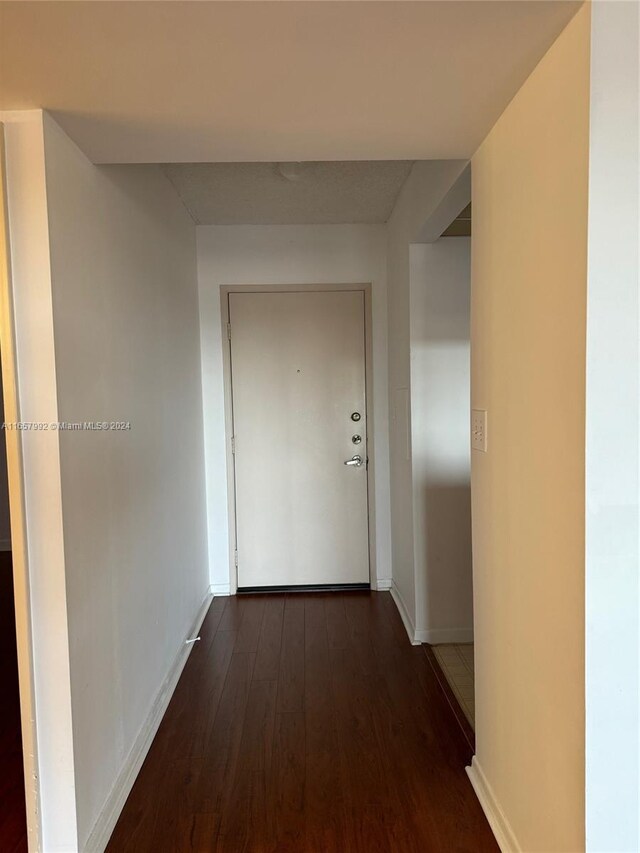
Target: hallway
{"type": "Point", "coordinates": [305, 722]}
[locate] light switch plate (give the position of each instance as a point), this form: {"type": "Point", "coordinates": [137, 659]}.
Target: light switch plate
{"type": "Point", "coordinates": [479, 430]}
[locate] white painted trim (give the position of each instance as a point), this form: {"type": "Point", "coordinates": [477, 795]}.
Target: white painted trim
{"type": "Point", "coordinates": [384, 583]}
{"type": "Point", "coordinates": [435, 636]}
{"type": "Point", "coordinates": [500, 826]}
{"type": "Point", "coordinates": [432, 636]}
{"type": "Point", "coordinates": [108, 817]}
{"type": "Point", "coordinates": [404, 613]}
{"type": "Point", "coordinates": [5, 544]}
{"type": "Point", "coordinates": [219, 589]}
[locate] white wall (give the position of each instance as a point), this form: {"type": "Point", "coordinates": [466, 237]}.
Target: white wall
{"type": "Point", "coordinates": [528, 321]}
{"type": "Point", "coordinates": [296, 254]}
{"type": "Point", "coordinates": [422, 193]}
{"type": "Point", "coordinates": [612, 484]}
{"type": "Point", "coordinates": [440, 391]}
{"type": "Point", "coordinates": [119, 566]}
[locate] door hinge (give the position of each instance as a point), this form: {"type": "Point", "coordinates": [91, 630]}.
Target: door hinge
{"type": "Point", "coordinates": [233, 444]}
{"type": "Point", "coordinates": [229, 331]}
{"type": "Point", "coordinates": [235, 558]}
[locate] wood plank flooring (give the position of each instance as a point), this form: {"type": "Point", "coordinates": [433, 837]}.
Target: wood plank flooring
{"type": "Point", "coordinates": [305, 723]}
{"type": "Point", "coordinates": [13, 821]}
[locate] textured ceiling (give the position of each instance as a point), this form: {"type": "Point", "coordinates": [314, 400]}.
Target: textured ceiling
{"type": "Point", "coordinates": [198, 82]}
{"type": "Point", "coordinates": [259, 194]}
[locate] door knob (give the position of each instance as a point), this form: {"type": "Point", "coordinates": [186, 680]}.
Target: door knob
{"type": "Point", "coordinates": [355, 461]}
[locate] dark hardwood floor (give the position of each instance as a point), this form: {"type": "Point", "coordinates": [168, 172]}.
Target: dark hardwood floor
{"type": "Point", "coordinates": [305, 722]}
{"type": "Point", "coordinates": [13, 821]}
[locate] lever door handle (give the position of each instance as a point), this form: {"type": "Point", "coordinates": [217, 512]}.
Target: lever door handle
{"type": "Point", "coordinates": [355, 461]}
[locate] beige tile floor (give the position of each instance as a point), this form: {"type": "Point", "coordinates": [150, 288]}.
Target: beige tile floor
{"type": "Point", "coordinates": [456, 661]}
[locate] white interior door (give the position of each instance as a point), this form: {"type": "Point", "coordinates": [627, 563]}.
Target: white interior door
{"type": "Point", "coordinates": [298, 384]}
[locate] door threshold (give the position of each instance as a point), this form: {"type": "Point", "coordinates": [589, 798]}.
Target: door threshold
{"type": "Point", "coordinates": [320, 587]}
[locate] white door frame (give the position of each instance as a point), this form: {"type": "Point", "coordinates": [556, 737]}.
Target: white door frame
{"type": "Point", "coordinates": [21, 583]}
{"type": "Point", "coordinates": [225, 290]}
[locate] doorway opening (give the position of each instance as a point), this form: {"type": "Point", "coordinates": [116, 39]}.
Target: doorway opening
{"type": "Point", "coordinates": [19, 801]}
{"type": "Point", "coordinates": [13, 607]}
{"type": "Point", "coordinates": [441, 374]}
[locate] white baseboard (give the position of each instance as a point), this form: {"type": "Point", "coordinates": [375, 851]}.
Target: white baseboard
{"type": "Point", "coordinates": [404, 613]}
{"type": "Point", "coordinates": [383, 583]}
{"type": "Point", "coordinates": [108, 817]}
{"type": "Point", "coordinates": [5, 544]}
{"type": "Point", "coordinates": [434, 636]}
{"type": "Point", "coordinates": [500, 826]}
{"type": "Point", "coordinates": [218, 589]}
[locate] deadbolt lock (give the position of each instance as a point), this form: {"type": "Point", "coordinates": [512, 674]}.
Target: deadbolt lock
{"type": "Point", "coordinates": [356, 439]}
{"type": "Point", "coordinates": [355, 416]}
